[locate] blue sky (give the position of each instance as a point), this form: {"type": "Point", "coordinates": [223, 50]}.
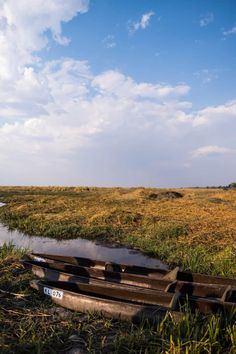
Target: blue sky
{"type": "Point", "coordinates": [173, 48]}
{"type": "Point", "coordinates": [107, 92]}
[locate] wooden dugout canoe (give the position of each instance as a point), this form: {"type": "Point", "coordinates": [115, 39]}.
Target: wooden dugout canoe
{"type": "Point", "coordinates": [107, 289]}
{"type": "Point", "coordinates": [66, 295]}
{"type": "Point", "coordinates": [75, 297]}
{"type": "Point", "coordinates": [66, 272]}
{"type": "Point", "coordinates": [175, 274]}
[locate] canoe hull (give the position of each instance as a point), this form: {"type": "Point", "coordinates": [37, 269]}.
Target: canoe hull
{"type": "Point", "coordinates": [153, 273]}
{"type": "Point", "coordinates": [108, 308]}
{"type": "Point", "coordinates": [67, 295]}
{"type": "Point", "coordinates": [63, 272]}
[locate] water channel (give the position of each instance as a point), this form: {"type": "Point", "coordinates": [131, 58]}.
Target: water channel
{"type": "Point", "coordinates": [78, 247]}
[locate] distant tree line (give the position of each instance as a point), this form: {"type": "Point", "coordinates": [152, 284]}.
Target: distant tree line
{"type": "Point", "coordinates": [229, 186]}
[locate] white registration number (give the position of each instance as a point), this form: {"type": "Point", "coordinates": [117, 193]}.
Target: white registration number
{"type": "Point", "coordinates": [53, 293]}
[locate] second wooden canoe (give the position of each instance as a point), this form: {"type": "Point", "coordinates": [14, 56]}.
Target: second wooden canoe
{"type": "Point", "coordinates": [175, 274]}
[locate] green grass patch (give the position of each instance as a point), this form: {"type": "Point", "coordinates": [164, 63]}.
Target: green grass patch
{"type": "Point", "coordinates": [8, 249]}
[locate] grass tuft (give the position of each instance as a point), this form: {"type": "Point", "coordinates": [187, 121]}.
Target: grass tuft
{"type": "Point", "coordinates": [8, 249]}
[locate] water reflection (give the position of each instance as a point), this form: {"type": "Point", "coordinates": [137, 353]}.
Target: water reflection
{"type": "Point", "coordinates": [78, 247]}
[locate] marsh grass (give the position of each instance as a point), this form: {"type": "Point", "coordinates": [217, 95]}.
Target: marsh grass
{"type": "Point", "coordinates": [190, 231]}
{"type": "Point", "coordinates": [194, 231]}
{"type": "Point", "coordinates": [8, 249]}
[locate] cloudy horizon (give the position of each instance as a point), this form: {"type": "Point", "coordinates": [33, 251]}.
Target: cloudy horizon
{"type": "Point", "coordinates": [108, 93]}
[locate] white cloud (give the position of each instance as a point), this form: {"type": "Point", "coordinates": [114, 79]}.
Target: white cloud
{"type": "Point", "coordinates": [142, 23]}
{"type": "Point", "coordinates": [23, 27]}
{"type": "Point", "coordinates": [84, 108]}
{"type": "Point", "coordinates": [230, 31]}
{"type": "Point", "coordinates": [24, 31]}
{"type": "Point", "coordinates": [204, 151]}
{"type": "Point", "coordinates": [82, 105]}
{"type": "Point", "coordinates": [115, 83]}
{"type": "Point", "coordinates": [109, 41]}
{"type": "Point", "coordinates": [206, 19]}
{"type": "Point", "coordinates": [145, 19]}
{"type": "Point", "coordinates": [213, 114]}
{"type": "Point", "coordinates": [83, 112]}
{"type": "Point", "coordinates": [59, 113]}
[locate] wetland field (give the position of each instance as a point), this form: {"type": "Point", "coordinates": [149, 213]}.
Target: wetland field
{"type": "Point", "coordinates": [192, 228]}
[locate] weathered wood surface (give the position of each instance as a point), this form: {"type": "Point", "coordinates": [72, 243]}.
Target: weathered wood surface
{"type": "Point", "coordinates": [82, 302]}
{"type": "Point", "coordinates": [175, 274]}
{"type": "Point", "coordinates": [66, 272]}
{"type": "Point", "coordinates": [85, 298]}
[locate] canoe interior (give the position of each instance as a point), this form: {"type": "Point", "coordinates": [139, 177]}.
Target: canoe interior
{"type": "Point", "coordinates": [89, 263]}
{"type": "Point", "coordinates": [121, 278]}
{"type": "Point", "coordinates": [174, 274]}
{"type": "Point", "coordinates": [112, 290]}
{"type": "Point", "coordinates": [133, 293]}
{"type": "Point", "coordinates": [83, 302]}
{"type": "Point", "coordinates": [200, 304]}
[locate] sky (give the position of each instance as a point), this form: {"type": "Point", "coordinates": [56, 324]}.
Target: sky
{"type": "Point", "coordinates": [118, 93]}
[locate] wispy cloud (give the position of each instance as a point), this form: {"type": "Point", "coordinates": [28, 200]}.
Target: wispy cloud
{"type": "Point", "coordinates": [206, 75]}
{"type": "Point", "coordinates": [109, 41]}
{"type": "Point", "coordinates": [204, 151]}
{"type": "Point", "coordinates": [230, 31]}
{"type": "Point", "coordinates": [142, 23]}
{"type": "Point", "coordinates": [206, 19]}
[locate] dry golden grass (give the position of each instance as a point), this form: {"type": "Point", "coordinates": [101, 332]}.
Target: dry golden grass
{"type": "Point", "coordinates": [210, 215]}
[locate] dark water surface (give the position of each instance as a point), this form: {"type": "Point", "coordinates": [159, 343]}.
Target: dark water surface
{"type": "Point", "coordinates": [78, 247]}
